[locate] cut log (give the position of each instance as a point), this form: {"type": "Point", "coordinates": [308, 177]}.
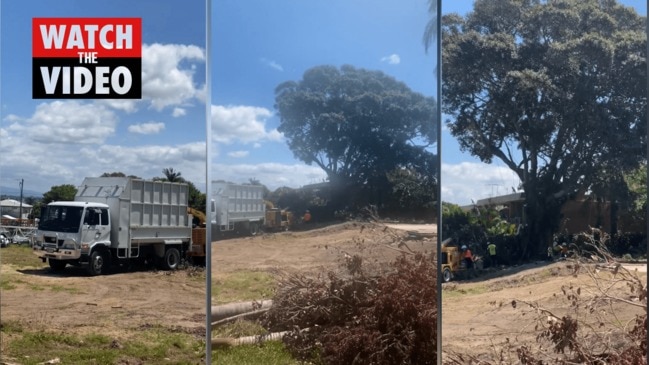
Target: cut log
{"type": "Point", "coordinates": [250, 316]}
{"type": "Point", "coordinates": [220, 312]}
{"type": "Point", "coordinates": [248, 340]}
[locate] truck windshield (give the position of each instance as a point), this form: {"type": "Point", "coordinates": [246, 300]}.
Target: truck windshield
{"type": "Point", "coordinates": [60, 219]}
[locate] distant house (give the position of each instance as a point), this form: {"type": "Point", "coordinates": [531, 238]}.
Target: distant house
{"type": "Point", "coordinates": [577, 214]}
{"type": "Point", "coordinates": [11, 209]}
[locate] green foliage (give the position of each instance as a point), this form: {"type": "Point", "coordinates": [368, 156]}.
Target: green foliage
{"type": "Point", "coordinates": [554, 89]}
{"type": "Point", "coordinates": [500, 227]}
{"type": "Point", "coordinates": [197, 199]}
{"type": "Point", "coordinates": [478, 226]}
{"type": "Point", "coordinates": [118, 174]}
{"type": "Point", "coordinates": [637, 182]}
{"type": "Point", "coordinates": [411, 190]}
{"type": "Point", "coordinates": [64, 192]}
{"type": "Point", "coordinates": [358, 126]}
{"type": "Point", "coordinates": [172, 176]}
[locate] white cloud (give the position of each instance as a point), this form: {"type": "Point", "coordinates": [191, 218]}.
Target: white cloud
{"type": "Point", "coordinates": [392, 59]}
{"type": "Point", "coordinates": [273, 175]}
{"type": "Point", "coordinates": [272, 64]}
{"type": "Point", "coordinates": [163, 80]}
{"type": "Point", "coordinates": [147, 128]}
{"type": "Point", "coordinates": [178, 112]}
{"type": "Point", "coordinates": [238, 154]}
{"type": "Point", "coordinates": [45, 166]}
{"type": "Point", "coordinates": [148, 161]}
{"type": "Point", "coordinates": [467, 181]}
{"type": "Point", "coordinates": [67, 122]}
{"type": "Point", "coordinates": [12, 118]}
{"type": "Point", "coordinates": [246, 124]}
{"type": "Point", "coordinates": [125, 105]}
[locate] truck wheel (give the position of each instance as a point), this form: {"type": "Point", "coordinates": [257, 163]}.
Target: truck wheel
{"type": "Point", "coordinates": [446, 275]}
{"type": "Point", "coordinates": [97, 263]}
{"type": "Point", "coordinates": [171, 259]}
{"type": "Point", "coordinates": [57, 265]}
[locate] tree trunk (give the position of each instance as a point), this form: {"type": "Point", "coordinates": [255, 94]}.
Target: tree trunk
{"type": "Point", "coordinates": [542, 219]}
{"type": "Point", "coordinates": [614, 218]}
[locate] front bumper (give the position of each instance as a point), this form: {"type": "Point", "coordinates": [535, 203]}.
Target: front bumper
{"type": "Point", "coordinates": [56, 253]}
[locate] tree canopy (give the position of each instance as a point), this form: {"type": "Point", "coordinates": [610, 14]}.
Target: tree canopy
{"type": "Point", "coordinates": [65, 192]}
{"type": "Point", "coordinates": [357, 125]}
{"type": "Point", "coordinates": [554, 89]}
{"type": "Point", "coordinates": [172, 176]}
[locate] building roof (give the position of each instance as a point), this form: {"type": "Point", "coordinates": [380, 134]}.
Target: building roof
{"type": "Point", "coordinates": [503, 199]}
{"type": "Point", "coordinates": [13, 203]}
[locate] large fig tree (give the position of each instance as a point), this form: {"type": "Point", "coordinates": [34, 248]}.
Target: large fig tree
{"type": "Point", "coordinates": [554, 89]}
{"type": "Point", "coordinates": [360, 127]}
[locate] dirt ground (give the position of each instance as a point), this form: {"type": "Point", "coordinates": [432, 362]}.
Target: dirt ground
{"type": "Point", "coordinates": [476, 314]}
{"type": "Point", "coordinates": [314, 249]}
{"type": "Point", "coordinates": [77, 303]}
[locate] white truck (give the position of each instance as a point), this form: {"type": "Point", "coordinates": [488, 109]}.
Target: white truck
{"type": "Point", "coordinates": [113, 220]}
{"type": "Point", "coordinates": [237, 207]}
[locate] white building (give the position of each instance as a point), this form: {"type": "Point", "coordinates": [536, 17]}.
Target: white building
{"type": "Point", "coordinates": [11, 208]}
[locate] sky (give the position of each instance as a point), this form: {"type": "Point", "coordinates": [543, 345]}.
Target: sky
{"type": "Point", "coordinates": [49, 142]}
{"type": "Point", "coordinates": [255, 45]}
{"type": "Point", "coordinates": [258, 44]}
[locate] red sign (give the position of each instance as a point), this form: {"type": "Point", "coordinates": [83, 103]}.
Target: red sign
{"type": "Point", "coordinates": [75, 58]}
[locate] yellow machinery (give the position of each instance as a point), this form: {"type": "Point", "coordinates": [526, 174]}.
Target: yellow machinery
{"type": "Point", "coordinates": [277, 219]}
{"type": "Point", "coordinates": [452, 263]}
{"type": "Point", "coordinates": [197, 252]}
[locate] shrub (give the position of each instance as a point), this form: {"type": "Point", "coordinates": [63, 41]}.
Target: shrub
{"type": "Point", "coordinates": [360, 318]}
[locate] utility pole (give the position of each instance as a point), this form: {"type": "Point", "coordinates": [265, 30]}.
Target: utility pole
{"type": "Point", "coordinates": [20, 214]}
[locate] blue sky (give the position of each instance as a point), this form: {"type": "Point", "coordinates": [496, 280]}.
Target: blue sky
{"type": "Point", "coordinates": [53, 142]}
{"type": "Point", "coordinates": [258, 44]}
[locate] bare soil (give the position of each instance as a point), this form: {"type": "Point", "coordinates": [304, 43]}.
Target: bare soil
{"type": "Point", "coordinates": [74, 302]}
{"type": "Point", "coordinates": [477, 315]}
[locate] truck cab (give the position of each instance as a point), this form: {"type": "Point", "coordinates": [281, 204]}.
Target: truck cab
{"type": "Point", "coordinates": [68, 231]}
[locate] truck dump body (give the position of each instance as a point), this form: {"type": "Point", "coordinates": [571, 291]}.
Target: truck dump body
{"type": "Point", "coordinates": [141, 211]}
{"type": "Point", "coordinates": [234, 203]}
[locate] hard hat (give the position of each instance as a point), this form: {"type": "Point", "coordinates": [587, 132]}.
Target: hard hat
{"type": "Point", "coordinates": [464, 247]}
